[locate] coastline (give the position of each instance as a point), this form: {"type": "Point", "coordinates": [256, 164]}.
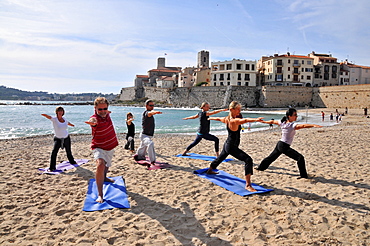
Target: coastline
{"type": "Point", "coordinates": [175, 207]}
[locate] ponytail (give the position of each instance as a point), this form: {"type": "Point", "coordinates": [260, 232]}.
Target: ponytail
{"type": "Point", "coordinates": [289, 112]}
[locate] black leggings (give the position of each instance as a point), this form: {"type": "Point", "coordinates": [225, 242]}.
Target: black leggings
{"type": "Point", "coordinates": [57, 146]}
{"type": "Point", "coordinates": [130, 144]}
{"type": "Point", "coordinates": [239, 154]}
{"type": "Point", "coordinates": [206, 136]}
{"type": "Point", "coordinates": [284, 148]}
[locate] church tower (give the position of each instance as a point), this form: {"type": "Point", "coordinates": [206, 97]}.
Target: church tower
{"type": "Point", "coordinates": [203, 58]}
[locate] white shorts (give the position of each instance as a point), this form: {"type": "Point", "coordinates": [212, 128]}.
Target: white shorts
{"type": "Point", "coordinates": [106, 155]}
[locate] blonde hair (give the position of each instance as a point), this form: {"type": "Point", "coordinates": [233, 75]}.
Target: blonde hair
{"type": "Point", "coordinates": [100, 100]}
{"type": "Point", "coordinates": [233, 105]}
{"type": "Point", "coordinates": [204, 104]}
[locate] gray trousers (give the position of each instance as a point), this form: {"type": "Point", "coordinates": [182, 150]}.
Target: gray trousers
{"type": "Point", "coordinates": [146, 145]}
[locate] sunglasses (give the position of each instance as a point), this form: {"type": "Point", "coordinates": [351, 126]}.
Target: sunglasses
{"type": "Point", "coordinates": [151, 105]}
{"type": "Point", "coordinates": [100, 109]}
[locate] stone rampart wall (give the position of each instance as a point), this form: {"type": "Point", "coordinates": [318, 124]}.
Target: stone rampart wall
{"type": "Point", "coordinates": [285, 96]}
{"type": "Point", "coordinates": [351, 96]}
{"type": "Point", "coordinates": [356, 96]}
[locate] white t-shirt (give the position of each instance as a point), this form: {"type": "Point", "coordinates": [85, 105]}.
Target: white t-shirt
{"type": "Point", "coordinates": [60, 129]}
{"type": "Point", "coordinates": [287, 131]}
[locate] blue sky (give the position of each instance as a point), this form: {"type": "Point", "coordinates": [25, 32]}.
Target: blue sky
{"type": "Point", "coordinates": [100, 45]}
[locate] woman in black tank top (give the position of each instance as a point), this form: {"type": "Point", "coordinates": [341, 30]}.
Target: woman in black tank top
{"type": "Point", "coordinates": [231, 146]}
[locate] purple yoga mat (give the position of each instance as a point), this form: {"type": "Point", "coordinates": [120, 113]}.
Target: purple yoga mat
{"type": "Point", "coordinates": [64, 166]}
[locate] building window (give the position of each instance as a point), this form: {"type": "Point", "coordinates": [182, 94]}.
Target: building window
{"type": "Point", "coordinates": [228, 76]}
{"type": "Point", "coordinates": [279, 62]}
{"type": "Point", "coordinates": [279, 77]}
{"type": "Point", "coordinates": [239, 76]}
{"type": "Point", "coordinates": [309, 62]}
{"type": "Point", "coordinates": [222, 67]}
{"type": "Point", "coordinates": [246, 84]}
{"type": "Point", "coordinates": [288, 60]}
{"type": "Point", "coordinates": [239, 83]}
{"type": "Point", "coordinates": [221, 76]}
{"type": "Point", "coordinates": [246, 76]}
{"type": "Point", "coordinates": [252, 67]}
{"type": "Point", "coordinates": [334, 69]}
{"type": "Point", "coordinates": [288, 68]}
{"type": "Point", "coordinates": [228, 82]}
{"type": "Point", "coordinates": [279, 69]}
{"type": "Point", "coordinates": [228, 66]}
{"type": "Point", "coordinates": [302, 77]}
{"type": "Point", "coordinates": [221, 83]}
{"type": "Point", "coordinates": [238, 66]}
{"type": "Point", "coordinates": [308, 77]}
{"type": "Point", "coordinates": [326, 68]}
{"type": "Point", "coordinates": [246, 66]}
{"type": "Point", "coordinates": [334, 75]}
{"type": "Point", "coordinates": [302, 69]}
{"type": "Point", "coordinates": [288, 76]}
{"type": "Point", "coordinates": [214, 77]}
{"type": "Point", "coordinates": [326, 76]}
{"type": "Point", "coordinates": [215, 84]}
{"type": "Point", "coordinates": [302, 61]}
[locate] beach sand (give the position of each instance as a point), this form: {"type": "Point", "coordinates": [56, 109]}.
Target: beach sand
{"type": "Point", "coordinates": [175, 207]}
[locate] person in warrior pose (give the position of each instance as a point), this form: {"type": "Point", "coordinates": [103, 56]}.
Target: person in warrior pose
{"type": "Point", "coordinates": [288, 128]}
{"type": "Point", "coordinates": [204, 128]}
{"type": "Point", "coordinates": [231, 145]}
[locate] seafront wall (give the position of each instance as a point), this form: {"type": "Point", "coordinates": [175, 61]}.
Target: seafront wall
{"type": "Point", "coordinates": [356, 96]}
{"type": "Point", "coordinates": [350, 96]}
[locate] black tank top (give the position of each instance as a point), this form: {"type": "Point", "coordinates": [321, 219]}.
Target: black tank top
{"type": "Point", "coordinates": [130, 130]}
{"type": "Point", "coordinates": [233, 137]}
{"type": "Point", "coordinates": [204, 123]}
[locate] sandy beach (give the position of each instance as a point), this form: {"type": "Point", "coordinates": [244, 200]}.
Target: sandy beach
{"type": "Point", "coordinates": [175, 207]}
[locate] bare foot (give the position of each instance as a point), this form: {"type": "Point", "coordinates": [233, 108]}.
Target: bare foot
{"type": "Point", "coordinates": [210, 171]}
{"type": "Point", "coordinates": [109, 180]}
{"type": "Point", "coordinates": [250, 188]}
{"type": "Point", "coordinates": [100, 199]}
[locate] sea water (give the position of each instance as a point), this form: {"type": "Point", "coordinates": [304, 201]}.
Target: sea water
{"type": "Point", "coordinates": [26, 120]}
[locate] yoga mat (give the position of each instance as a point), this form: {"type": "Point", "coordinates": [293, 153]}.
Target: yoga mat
{"type": "Point", "coordinates": [157, 164]}
{"type": "Point", "coordinates": [114, 194]}
{"type": "Point", "coordinates": [201, 157]}
{"type": "Point", "coordinates": [230, 182]}
{"type": "Point", "coordinates": [64, 166]}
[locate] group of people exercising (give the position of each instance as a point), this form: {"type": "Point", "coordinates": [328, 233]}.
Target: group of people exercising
{"type": "Point", "coordinates": [104, 138]}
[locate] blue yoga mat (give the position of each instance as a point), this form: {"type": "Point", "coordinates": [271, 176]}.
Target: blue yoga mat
{"type": "Point", "coordinates": [230, 182]}
{"type": "Point", "coordinates": [201, 157]}
{"type": "Point", "coordinates": [115, 195]}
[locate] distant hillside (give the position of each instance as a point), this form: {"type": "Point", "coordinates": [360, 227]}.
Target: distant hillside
{"type": "Point", "coordinates": [7, 93]}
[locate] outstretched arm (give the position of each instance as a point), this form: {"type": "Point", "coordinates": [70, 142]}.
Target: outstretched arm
{"type": "Point", "coordinates": [92, 122]}
{"type": "Point", "coordinates": [70, 124]}
{"type": "Point", "coordinates": [301, 126]}
{"type": "Point", "coordinates": [216, 111]}
{"type": "Point", "coordinates": [245, 120]}
{"type": "Point", "coordinates": [46, 116]}
{"type": "Point", "coordinates": [276, 122]}
{"type": "Point", "coordinates": [151, 113]}
{"type": "Point", "coordinates": [191, 117]}
{"type": "Point", "coordinates": [222, 119]}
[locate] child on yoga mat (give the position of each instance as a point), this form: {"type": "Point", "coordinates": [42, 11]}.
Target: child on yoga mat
{"type": "Point", "coordinates": [103, 142]}
{"type": "Point", "coordinates": [204, 128]}
{"type": "Point", "coordinates": [288, 128]}
{"type": "Point", "coordinates": [61, 137]}
{"type": "Point", "coordinates": [231, 145]}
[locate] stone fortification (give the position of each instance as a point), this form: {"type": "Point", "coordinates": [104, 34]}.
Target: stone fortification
{"type": "Point", "coordinates": [356, 96]}
{"type": "Point", "coordinates": [350, 96]}
{"type": "Point", "coordinates": [284, 96]}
